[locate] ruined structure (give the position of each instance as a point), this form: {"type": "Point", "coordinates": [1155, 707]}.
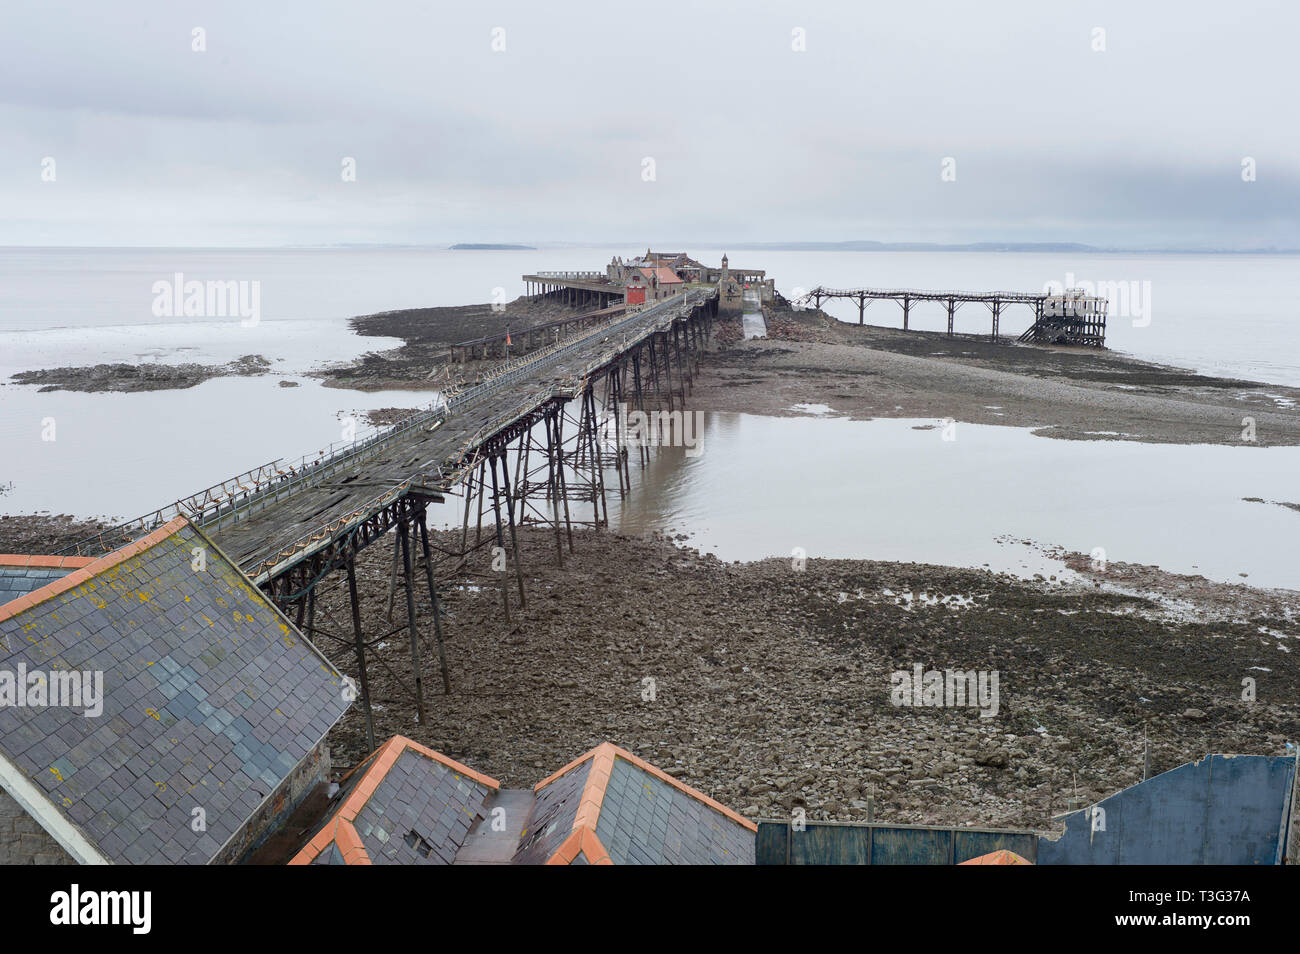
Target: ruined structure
{"type": "Point", "coordinates": [1069, 318]}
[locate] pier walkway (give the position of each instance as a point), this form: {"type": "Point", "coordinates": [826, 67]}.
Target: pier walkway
{"type": "Point", "coordinates": [274, 516]}
{"type": "Point", "coordinates": [290, 526]}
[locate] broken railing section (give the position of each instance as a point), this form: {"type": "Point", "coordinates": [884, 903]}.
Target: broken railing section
{"type": "Point", "coordinates": [236, 497]}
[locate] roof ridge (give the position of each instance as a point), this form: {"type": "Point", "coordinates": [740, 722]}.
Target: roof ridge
{"type": "Point", "coordinates": [91, 569]}
{"type": "Point", "coordinates": [378, 763]}
{"type": "Point", "coordinates": [682, 786]}
{"type": "Point", "coordinates": [34, 560]}
{"type": "Point", "coordinates": [610, 750]}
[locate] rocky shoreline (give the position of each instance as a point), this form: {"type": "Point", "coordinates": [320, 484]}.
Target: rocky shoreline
{"type": "Point", "coordinates": [426, 333]}
{"type": "Point", "coordinates": [772, 685]}
{"type": "Point", "coordinates": [1071, 393]}
{"type": "Point", "coordinates": [44, 533]}
{"type": "Point", "coordinates": [769, 686]}
{"type": "Point", "coordinates": [148, 376]}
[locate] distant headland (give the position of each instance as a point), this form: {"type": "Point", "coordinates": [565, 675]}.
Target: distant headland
{"type": "Point", "coordinates": [492, 247]}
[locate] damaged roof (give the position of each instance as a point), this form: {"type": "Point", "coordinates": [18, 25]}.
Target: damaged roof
{"type": "Point", "coordinates": [406, 804]}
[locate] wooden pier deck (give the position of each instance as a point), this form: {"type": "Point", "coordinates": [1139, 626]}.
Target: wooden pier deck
{"type": "Point", "coordinates": [278, 515]}
{"type": "Point", "coordinates": [528, 338]}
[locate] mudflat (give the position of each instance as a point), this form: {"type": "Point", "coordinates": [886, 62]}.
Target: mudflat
{"type": "Point", "coordinates": [420, 362]}
{"type": "Point", "coordinates": [770, 687]}
{"type": "Point", "coordinates": [1074, 393]}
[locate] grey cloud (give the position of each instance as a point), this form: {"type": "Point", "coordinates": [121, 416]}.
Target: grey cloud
{"type": "Point", "coordinates": [751, 140]}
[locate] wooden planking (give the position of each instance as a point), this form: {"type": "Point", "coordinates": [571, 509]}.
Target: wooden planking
{"type": "Point", "coordinates": [261, 535]}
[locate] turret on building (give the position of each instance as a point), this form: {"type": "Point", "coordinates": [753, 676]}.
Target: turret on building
{"type": "Point", "coordinates": [731, 294]}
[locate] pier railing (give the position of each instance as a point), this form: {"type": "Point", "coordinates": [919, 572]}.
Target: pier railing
{"type": "Point", "coordinates": [250, 492]}
{"type": "Point", "coordinates": [447, 473]}
{"type": "Point", "coordinates": [924, 294]}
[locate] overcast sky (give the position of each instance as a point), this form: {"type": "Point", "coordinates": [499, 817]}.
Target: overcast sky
{"type": "Point", "coordinates": [1139, 145]}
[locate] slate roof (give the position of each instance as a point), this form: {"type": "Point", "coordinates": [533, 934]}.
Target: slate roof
{"type": "Point", "coordinates": [406, 804]}
{"type": "Point", "coordinates": [20, 575]}
{"type": "Point", "coordinates": [646, 820]}
{"type": "Point", "coordinates": [610, 807]}
{"type": "Point", "coordinates": [553, 816]}
{"type": "Point", "coordinates": [210, 699]}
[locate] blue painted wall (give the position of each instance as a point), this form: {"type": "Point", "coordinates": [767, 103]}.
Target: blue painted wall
{"type": "Point", "coordinates": [1222, 810]}
{"type": "Point", "coordinates": [850, 844]}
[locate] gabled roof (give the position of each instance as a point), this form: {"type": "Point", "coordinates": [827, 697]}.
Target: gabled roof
{"type": "Point", "coordinates": [610, 807]}
{"type": "Point", "coordinates": [210, 698]}
{"type": "Point", "coordinates": [406, 804]}
{"type": "Point", "coordinates": [665, 276]}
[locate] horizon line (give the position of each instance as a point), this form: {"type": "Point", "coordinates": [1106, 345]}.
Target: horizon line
{"type": "Point", "coordinates": [846, 245]}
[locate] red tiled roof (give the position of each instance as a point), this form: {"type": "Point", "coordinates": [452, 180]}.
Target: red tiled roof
{"type": "Point", "coordinates": [666, 276]}
{"type": "Point", "coordinates": [999, 857]}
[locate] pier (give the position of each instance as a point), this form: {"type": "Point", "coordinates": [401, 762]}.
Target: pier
{"type": "Point", "coordinates": [530, 338]}
{"type": "Point", "coordinates": [289, 526]}
{"type": "Point", "coordinates": [525, 445]}
{"type": "Point", "coordinates": [578, 289]}
{"type": "Point", "coordinates": [1071, 317]}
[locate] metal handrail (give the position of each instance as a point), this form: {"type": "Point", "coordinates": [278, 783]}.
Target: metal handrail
{"type": "Point", "coordinates": [674, 310]}
{"type": "Point", "coordinates": [262, 486]}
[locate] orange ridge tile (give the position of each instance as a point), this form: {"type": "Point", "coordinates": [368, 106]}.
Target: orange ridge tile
{"type": "Point", "coordinates": [682, 786]}
{"type": "Point", "coordinates": [350, 846]}
{"type": "Point", "coordinates": [568, 851]}
{"type": "Point", "coordinates": [593, 849]}
{"type": "Point", "coordinates": [568, 768]}
{"type": "Point", "coordinates": [319, 843]}
{"type": "Point", "coordinates": [37, 560]}
{"type": "Point", "coordinates": [91, 569]}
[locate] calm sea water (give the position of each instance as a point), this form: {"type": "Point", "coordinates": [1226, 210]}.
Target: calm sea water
{"type": "Point", "coordinates": [896, 490]}
{"type": "Point", "coordinates": [124, 454]}
{"type": "Point", "coordinates": [1230, 314]}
